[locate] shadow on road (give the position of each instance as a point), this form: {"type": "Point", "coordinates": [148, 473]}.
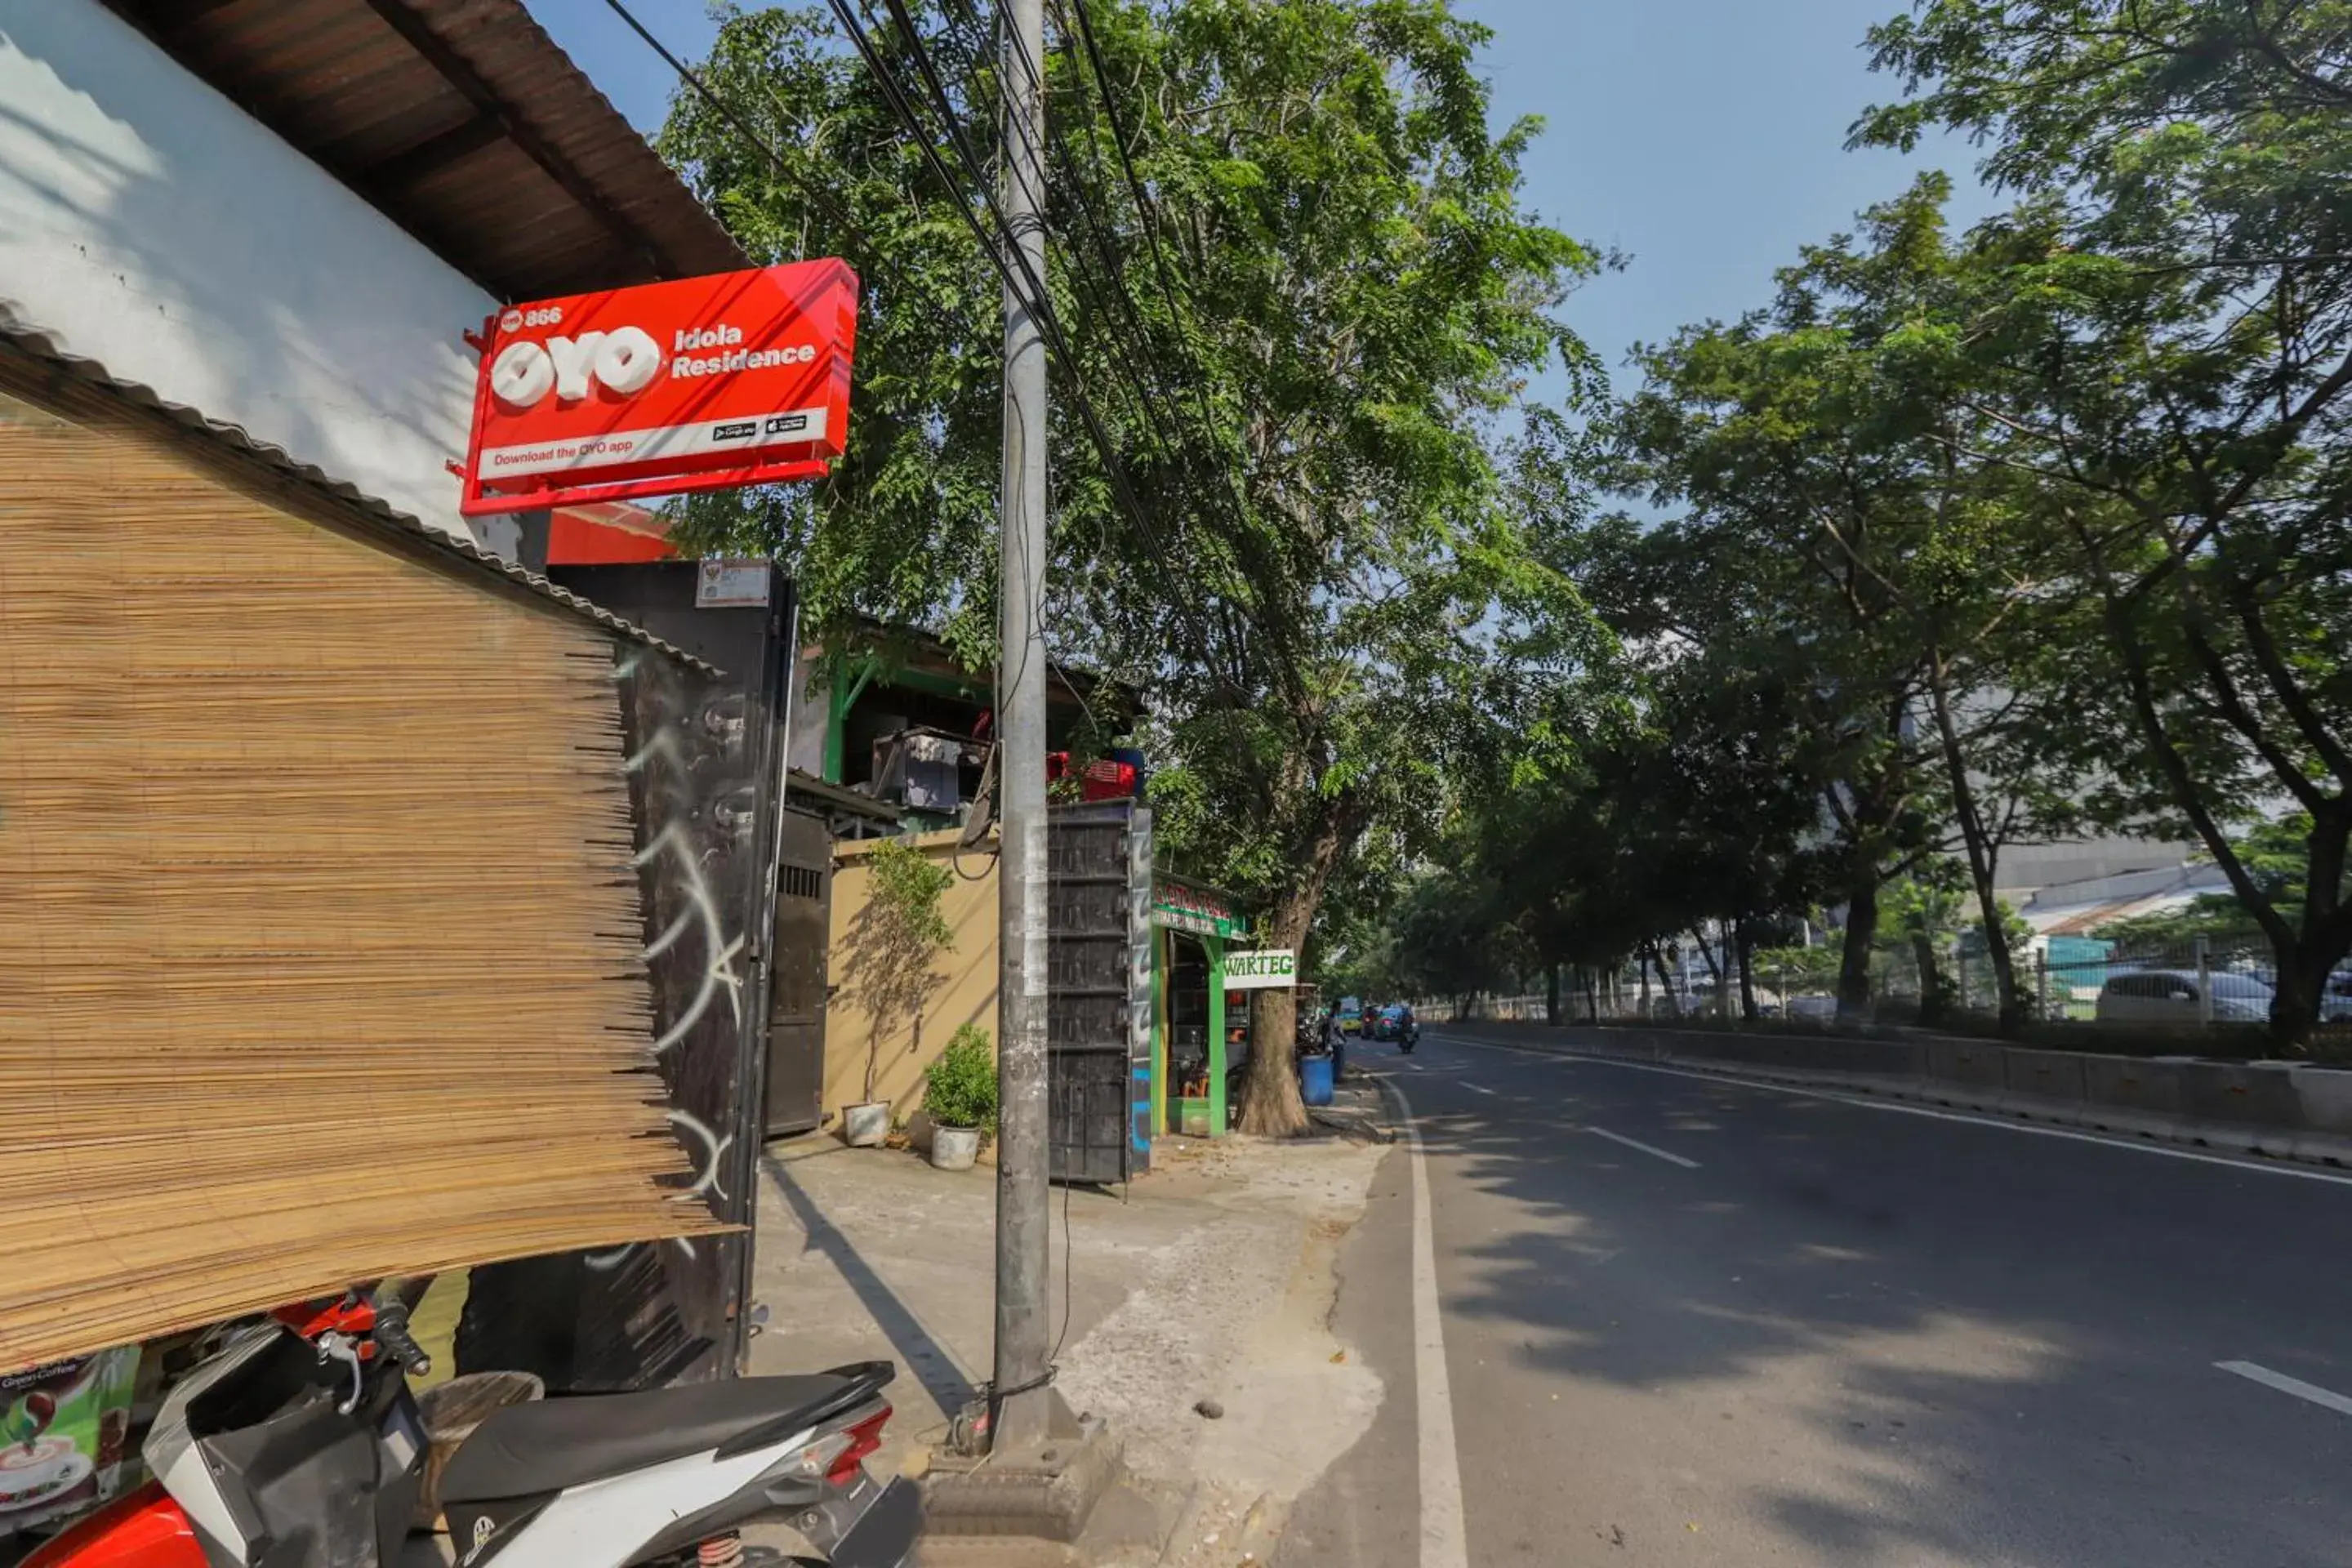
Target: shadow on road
{"type": "Point", "coordinates": [1988, 1337]}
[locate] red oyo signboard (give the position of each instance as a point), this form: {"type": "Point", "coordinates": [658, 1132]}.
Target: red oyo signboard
{"type": "Point", "coordinates": [739, 378]}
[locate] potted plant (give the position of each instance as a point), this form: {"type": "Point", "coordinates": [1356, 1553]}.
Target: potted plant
{"type": "Point", "coordinates": [959, 1097]}
{"type": "Point", "coordinates": [892, 945]}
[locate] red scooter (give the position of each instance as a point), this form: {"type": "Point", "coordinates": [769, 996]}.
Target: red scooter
{"type": "Point", "coordinates": [298, 1444]}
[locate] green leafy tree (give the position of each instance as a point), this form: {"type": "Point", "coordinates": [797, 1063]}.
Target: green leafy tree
{"type": "Point", "coordinates": [1793, 970]}
{"type": "Point", "coordinates": [2159, 340]}
{"type": "Point", "coordinates": [1676, 812]}
{"type": "Point", "coordinates": [1799, 505]}
{"type": "Point", "coordinates": [1293, 520]}
{"type": "Point", "coordinates": [1921, 912]}
{"type": "Point", "coordinates": [2275, 853]}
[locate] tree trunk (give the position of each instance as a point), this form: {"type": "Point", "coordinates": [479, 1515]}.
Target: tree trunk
{"type": "Point", "coordinates": [1665, 981]}
{"type": "Point", "coordinates": [1931, 980]}
{"type": "Point", "coordinates": [1551, 994]}
{"type": "Point", "coordinates": [2295, 1004]}
{"type": "Point", "coordinates": [2289, 1025]}
{"type": "Point", "coordinates": [1853, 960]}
{"type": "Point", "coordinates": [1271, 1106]}
{"type": "Point", "coordinates": [2325, 936]}
{"type": "Point", "coordinates": [1745, 946]}
{"type": "Point", "coordinates": [1591, 994]}
{"type": "Point", "coordinates": [1714, 969]}
{"type": "Point", "coordinates": [1642, 968]}
{"type": "Point", "coordinates": [1982, 852]}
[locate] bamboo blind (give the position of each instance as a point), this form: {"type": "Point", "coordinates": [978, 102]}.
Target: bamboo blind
{"type": "Point", "coordinates": [318, 947]}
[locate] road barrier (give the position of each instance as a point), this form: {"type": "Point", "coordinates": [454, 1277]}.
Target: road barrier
{"type": "Point", "coordinates": [2285, 1110]}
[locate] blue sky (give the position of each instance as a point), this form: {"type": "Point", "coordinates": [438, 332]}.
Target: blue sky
{"type": "Point", "coordinates": [1703, 137]}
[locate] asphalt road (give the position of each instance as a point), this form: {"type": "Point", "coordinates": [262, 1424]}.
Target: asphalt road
{"type": "Point", "coordinates": [1685, 1321]}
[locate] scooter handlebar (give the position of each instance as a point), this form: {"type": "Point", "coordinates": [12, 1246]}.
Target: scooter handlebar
{"type": "Point", "coordinates": [393, 1337]}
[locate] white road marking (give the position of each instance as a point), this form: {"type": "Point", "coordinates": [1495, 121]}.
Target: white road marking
{"type": "Point", "coordinates": [1478, 1087]}
{"type": "Point", "coordinates": [1442, 1537]}
{"type": "Point", "coordinates": [2137, 1146]}
{"type": "Point", "coordinates": [2285, 1385]}
{"type": "Point", "coordinates": [1644, 1148]}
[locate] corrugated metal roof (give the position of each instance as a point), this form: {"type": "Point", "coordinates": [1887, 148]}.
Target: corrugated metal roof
{"type": "Point", "coordinates": [462, 122]}
{"type": "Point", "coordinates": [31, 341]}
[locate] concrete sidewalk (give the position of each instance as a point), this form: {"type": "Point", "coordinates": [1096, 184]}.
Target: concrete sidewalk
{"type": "Point", "coordinates": [1208, 1279]}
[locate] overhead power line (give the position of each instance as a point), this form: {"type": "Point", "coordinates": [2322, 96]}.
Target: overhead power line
{"type": "Point", "coordinates": [1022, 282]}
{"type": "Point", "coordinates": [1149, 219]}
{"type": "Point", "coordinates": [1151, 415]}
{"type": "Point", "coordinates": [872, 257]}
{"type": "Point", "coordinates": [1185, 366]}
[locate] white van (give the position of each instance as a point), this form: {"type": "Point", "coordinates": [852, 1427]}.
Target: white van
{"type": "Point", "coordinates": [2169, 996]}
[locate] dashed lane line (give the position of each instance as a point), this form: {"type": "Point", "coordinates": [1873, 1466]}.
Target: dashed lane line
{"type": "Point", "coordinates": [1644, 1148]}
{"type": "Point", "coordinates": [2325, 1398]}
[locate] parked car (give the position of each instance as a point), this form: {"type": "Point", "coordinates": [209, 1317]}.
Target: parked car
{"type": "Point", "coordinates": [2170, 996]}
{"type": "Point", "coordinates": [2335, 998]}
{"type": "Point", "coordinates": [1350, 1015]}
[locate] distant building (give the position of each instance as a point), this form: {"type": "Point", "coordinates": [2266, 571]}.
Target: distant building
{"type": "Point", "coordinates": [2080, 908]}
{"type": "Point", "coordinates": [2031, 873]}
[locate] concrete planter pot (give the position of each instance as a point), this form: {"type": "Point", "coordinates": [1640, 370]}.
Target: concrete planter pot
{"type": "Point", "coordinates": [865, 1125]}
{"type": "Point", "coordinates": [955, 1148]}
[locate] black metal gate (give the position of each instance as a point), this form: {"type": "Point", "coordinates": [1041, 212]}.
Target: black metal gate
{"type": "Point", "coordinates": [796, 1001]}
{"type": "Point", "coordinates": [706, 761]}
{"type": "Point", "coordinates": [1098, 990]}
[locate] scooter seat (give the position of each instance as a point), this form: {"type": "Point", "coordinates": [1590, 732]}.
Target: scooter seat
{"type": "Point", "coordinates": [526, 1450]}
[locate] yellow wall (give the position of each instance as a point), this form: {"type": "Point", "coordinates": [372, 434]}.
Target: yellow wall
{"type": "Point", "coordinates": [965, 979]}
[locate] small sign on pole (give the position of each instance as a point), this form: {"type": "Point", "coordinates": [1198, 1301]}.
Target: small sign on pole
{"type": "Point", "coordinates": [1262, 969]}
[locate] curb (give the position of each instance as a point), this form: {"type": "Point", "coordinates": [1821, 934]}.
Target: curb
{"type": "Point", "coordinates": [2293, 1147]}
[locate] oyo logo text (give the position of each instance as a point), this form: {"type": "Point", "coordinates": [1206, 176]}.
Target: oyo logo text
{"type": "Point", "coordinates": [625, 360]}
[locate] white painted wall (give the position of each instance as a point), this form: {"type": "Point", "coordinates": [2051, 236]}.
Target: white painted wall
{"type": "Point", "coordinates": [146, 223]}
{"type": "Point", "coordinates": [812, 713]}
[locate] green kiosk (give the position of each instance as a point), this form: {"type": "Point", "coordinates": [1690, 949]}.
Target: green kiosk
{"type": "Point", "coordinates": [1193, 1020]}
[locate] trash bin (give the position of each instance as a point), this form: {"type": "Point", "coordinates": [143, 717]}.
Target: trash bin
{"type": "Point", "coordinates": [1314, 1080]}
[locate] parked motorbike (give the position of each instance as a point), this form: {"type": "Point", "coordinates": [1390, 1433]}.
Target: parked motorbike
{"type": "Point", "coordinates": [304, 1449]}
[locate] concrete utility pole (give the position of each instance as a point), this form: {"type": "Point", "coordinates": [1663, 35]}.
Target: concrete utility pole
{"type": "Point", "coordinates": [1022, 1406]}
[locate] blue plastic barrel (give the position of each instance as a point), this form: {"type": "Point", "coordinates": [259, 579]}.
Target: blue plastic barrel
{"type": "Point", "coordinates": [1314, 1080]}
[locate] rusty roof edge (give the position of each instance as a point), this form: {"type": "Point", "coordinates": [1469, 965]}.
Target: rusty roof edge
{"type": "Point", "coordinates": [460, 24]}
{"type": "Point", "coordinates": [33, 339]}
